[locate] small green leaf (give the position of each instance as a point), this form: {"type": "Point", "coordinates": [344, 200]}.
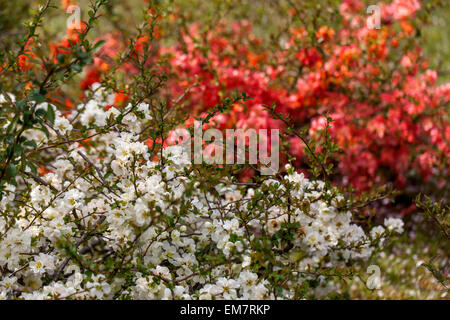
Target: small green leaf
{"type": "Point", "coordinates": [60, 58]}
{"type": "Point", "coordinates": [45, 130]}
{"type": "Point", "coordinates": [12, 170]}
{"type": "Point", "coordinates": [30, 143]}
{"type": "Point", "coordinates": [98, 45]}
{"type": "Point", "coordinates": [40, 112]}
{"type": "Point", "coordinates": [51, 114]}
{"type": "Point", "coordinates": [38, 98]}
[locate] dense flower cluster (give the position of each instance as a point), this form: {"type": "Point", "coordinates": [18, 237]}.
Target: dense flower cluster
{"type": "Point", "coordinates": [111, 221]}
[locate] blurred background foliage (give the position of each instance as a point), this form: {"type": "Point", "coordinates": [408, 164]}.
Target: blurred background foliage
{"type": "Point", "coordinates": [269, 19]}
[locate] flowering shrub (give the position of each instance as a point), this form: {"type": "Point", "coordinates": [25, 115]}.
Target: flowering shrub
{"type": "Point", "coordinates": [99, 200]}
{"type": "Point", "coordinates": [390, 119]}
{"type": "Point", "coordinates": [108, 222]}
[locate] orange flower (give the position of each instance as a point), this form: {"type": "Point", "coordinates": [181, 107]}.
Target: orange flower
{"type": "Point", "coordinates": [120, 97]}
{"type": "Point", "coordinates": [255, 59]}
{"type": "Point", "coordinates": [394, 42]}
{"type": "Point", "coordinates": [409, 29]}
{"type": "Point", "coordinates": [92, 77]}
{"type": "Point", "coordinates": [29, 85]}
{"type": "Point", "coordinates": [325, 33]}
{"type": "Point", "coordinates": [299, 33]}
{"type": "Point", "coordinates": [68, 103]}
{"type": "Point", "coordinates": [65, 3]}
{"type": "Point", "coordinates": [24, 59]}
{"type": "Point", "coordinates": [141, 43]}
{"type": "Point", "coordinates": [292, 12]}
{"type": "Point", "coordinates": [74, 30]}
{"type": "Point", "coordinates": [349, 54]}
{"type": "Point", "coordinates": [42, 170]}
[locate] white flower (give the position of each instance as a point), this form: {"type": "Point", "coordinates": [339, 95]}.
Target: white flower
{"type": "Point", "coordinates": [246, 261]}
{"type": "Point", "coordinates": [144, 107]}
{"type": "Point", "coordinates": [42, 263]}
{"type": "Point", "coordinates": [247, 279]}
{"type": "Point", "coordinates": [98, 288]}
{"type": "Point", "coordinates": [163, 272]}
{"type": "Point", "coordinates": [93, 113]}
{"type": "Point", "coordinates": [8, 196]}
{"type": "Point", "coordinates": [62, 124]}
{"type": "Point", "coordinates": [3, 98]}
{"type": "Point", "coordinates": [313, 239]}
{"type": "Point", "coordinates": [394, 224]}
{"type": "Point", "coordinates": [8, 283]}
{"type": "Point", "coordinates": [227, 287]}
{"type": "Point", "coordinates": [377, 232]}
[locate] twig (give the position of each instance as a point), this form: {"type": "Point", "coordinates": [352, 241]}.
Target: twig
{"type": "Point", "coordinates": [77, 244]}
{"type": "Point", "coordinates": [39, 180]}
{"type": "Point", "coordinates": [93, 165]}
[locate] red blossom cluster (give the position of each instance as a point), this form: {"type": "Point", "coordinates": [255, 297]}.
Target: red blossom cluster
{"type": "Point", "coordinates": [387, 120]}
{"type": "Point", "coordinates": [388, 114]}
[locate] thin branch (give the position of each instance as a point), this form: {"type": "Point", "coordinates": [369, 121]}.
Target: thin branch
{"type": "Point", "coordinates": [77, 244]}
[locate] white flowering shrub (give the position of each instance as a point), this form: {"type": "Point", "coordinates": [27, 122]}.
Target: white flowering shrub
{"type": "Point", "coordinates": [113, 219]}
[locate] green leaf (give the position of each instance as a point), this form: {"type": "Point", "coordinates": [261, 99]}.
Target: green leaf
{"type": "Point", "coordinates": [98, 45]}
{"type": "Point", "coordinates": [12, 170]}
{"type": "Point", "coordinates": [76, 68]}
{"type": "Point", "coordinates": [40, 112]}
{"type": "Point", "coordinates": [60, 58]}
{"type": "Point", "coordinates": [30, 143]}
{"type": "Point", "coordinates": [38, 98]}
{"type": "Point", "coordinates": [32, 167]}
{"type": "Point", "coordinates": [45, 130]}
{"type": "Point", "coordinates": [51, 114]}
